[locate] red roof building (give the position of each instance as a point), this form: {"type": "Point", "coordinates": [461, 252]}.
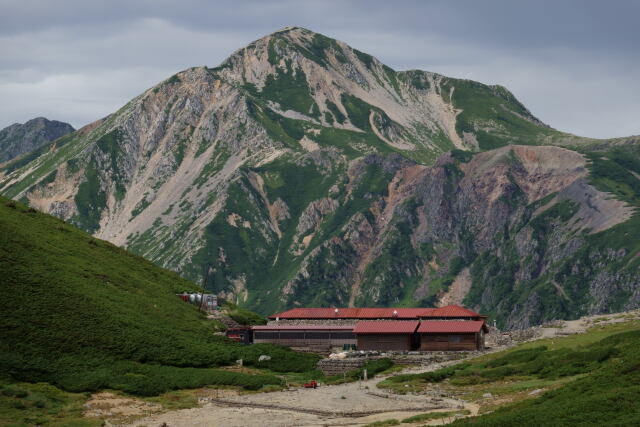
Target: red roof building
{"type": "Point", "coordinates": [450, 311]}
{"type": "Point", "coordinates": [390, 327]}
{"type": "Point", "coordinates": [350, 313]}
{"type": "Point", "coordinates": [301, 327]}
{"type": "Point", "coordinates": [386, 335]}
{"type": "Point", "coordinates": [384, 329]}
{"type": "Point", "coordinates": [321, 337]}
{"type": "Point", "coordinates": [451, 326]}
{"type": "Point", "coordinates": [452, 335]}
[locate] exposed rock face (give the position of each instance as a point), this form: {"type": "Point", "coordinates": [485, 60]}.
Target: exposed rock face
{"type": "Point", "coordinates": [304, 172]}
{"type": "Point", "coordinates": [19, 139]}
{"type": "Point", "coordinates": [458, 290]}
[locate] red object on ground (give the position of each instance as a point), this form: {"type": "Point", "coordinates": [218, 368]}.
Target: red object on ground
{"type": "Point", "coordinates": [311, 384]}
{"type": "Point", "coordinates": [234, 337]}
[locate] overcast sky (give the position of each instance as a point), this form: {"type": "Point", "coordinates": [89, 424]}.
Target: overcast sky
{"type": "Point", "coordinates": [574, 64]}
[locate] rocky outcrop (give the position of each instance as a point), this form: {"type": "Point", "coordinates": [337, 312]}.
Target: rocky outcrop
{"type": "Point", "coordinates": [19, 139]}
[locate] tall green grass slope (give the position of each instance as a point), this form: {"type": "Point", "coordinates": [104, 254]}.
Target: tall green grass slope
{"type": "Point", "coordinates": [83, 314]}
{"type": "Point", "coordinates": [607, 393]}
{"type": "Point", "coordinates": [593, 379]}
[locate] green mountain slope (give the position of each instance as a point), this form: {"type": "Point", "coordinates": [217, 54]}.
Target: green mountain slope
{"type": "Point", "coordinates": [302, 171]}
{"type": "Point", "coordinates": [589, 379]}
{"type": "Point", "coordinates": [84, 314]}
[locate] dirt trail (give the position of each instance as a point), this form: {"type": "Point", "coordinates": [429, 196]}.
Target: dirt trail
{"type": "Point", "coordinates": [402, 145]}
{"type": "Point", "coordinates": [578, 326]}
{"type": "Point", "coordinates": [352, 404]}
{"type": "Point", "coordinates": [110, 404]}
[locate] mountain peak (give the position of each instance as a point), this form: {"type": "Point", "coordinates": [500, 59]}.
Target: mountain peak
{"type": "Point", "coordinates": [293, 32]}
{"type": "Point", "coordinates": [293, 36]}
{"type": "Point", "coordinates": [293, 28]}
{"type": "Point", "coordinates": [278, 168]}
{"type": "Point", "coordinates": [20, 138]}
{"type": "Point", "coordinates": [298, 48]}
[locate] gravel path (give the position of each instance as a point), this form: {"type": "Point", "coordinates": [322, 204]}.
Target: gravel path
{"type": "Point", "coordinates": [333, 405]}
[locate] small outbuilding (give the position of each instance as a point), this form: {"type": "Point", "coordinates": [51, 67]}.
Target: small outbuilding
{"type": "Point", "coordinates": [386, 335]}
{"type": "Point", "coordinates": [207, 302]}
{"type": "Point", "coordinates": [447, 335]}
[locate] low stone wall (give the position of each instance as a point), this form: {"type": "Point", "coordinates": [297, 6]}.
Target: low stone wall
{"type": "Point", "coordinates": [331, 367]}
{"type": "Point", "coordinates": [429, 358]}
{"type": "Point", "coordinates": [424, 406]}
{"type": "Point", "coordinates": [496, 338]}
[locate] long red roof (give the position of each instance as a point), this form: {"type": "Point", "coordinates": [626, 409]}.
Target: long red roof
{"type": "Point", "coordinates": [451, 326]}
{"type": "Point", "coordinates": [386, 327]}
{"type": "Point", "coordinates": [302, 327]}
{"type": "Point", "coordinates": [452, 311]}
{"type": "Point", "coordinates": [350, 313]}
{"type": "Point", "coordinates": [374, 313]}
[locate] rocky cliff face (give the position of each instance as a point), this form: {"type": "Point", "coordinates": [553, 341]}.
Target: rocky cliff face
{"type": "Point", "coordinates": [522, 233]}
{"type": "Point", "coordinates": [19, 139]}
{"type": "Point", "coordinates": [304, 172]}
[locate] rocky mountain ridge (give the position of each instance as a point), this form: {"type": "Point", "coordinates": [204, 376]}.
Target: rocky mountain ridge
{"type": "Point", "coordinates": [18, 139]}
{"type": "Point", "coordinates": [304, 172]}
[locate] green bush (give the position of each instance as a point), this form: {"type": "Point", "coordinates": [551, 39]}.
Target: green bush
{"type": "Point", "coordinates": [385, 423]}
{"type": "Point", "coordinates": [283, 359]}
{"type": "Point", "coordinates": [373, 368]}
{"type": "Point", "coordinates": [518, 356]}
{"type": "Point", "coordinates": [433, 416]}
{"type": "Point", "coordinates": [242, 315]}
{"type": "Point", "coordinates": [151, 380]}
{"type": "Point", "coordinates": [14, 391]}
{"type": "Point", "coordinates": [462, 155]}
{"type": "Point", "coordinates": [434, 376]}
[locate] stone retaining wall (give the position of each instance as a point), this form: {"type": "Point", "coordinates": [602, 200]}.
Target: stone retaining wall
{"type": "Point", "coordinates": [331, 367]}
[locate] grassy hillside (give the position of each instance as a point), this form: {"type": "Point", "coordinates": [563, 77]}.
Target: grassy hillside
{"type": "Point", "coordinates": [242, 315]}
{"type": "Point", "coordinates": [84, 315]}
{"type": "Point", "coordinates": [27, 404]}
{"type": "Point", "coordinates": [586, 379]}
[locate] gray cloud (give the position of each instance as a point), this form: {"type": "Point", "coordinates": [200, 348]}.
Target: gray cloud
{"type": "Point", "coordinates": [573, 63]}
